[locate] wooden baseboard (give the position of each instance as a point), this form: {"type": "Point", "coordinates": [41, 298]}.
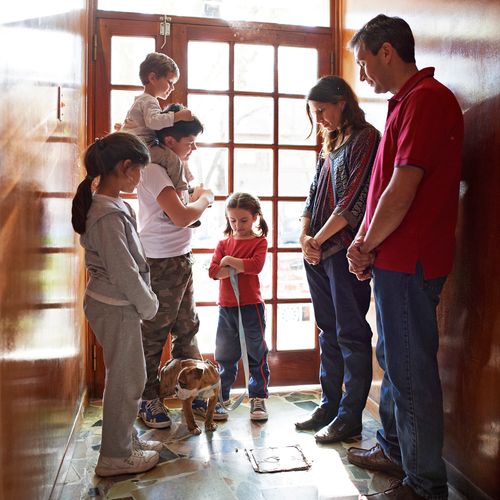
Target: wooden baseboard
{"type": "Point", "coordinates": [58, 485]}
{"type": "Point", "coordinates": [463, 485]}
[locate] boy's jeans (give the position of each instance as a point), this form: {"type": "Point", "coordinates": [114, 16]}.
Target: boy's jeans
{"type": "Point", "coordinates": [411, 405]}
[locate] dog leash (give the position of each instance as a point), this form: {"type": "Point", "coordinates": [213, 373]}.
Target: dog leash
{"type": "Point", "coordinates": [233, 276]}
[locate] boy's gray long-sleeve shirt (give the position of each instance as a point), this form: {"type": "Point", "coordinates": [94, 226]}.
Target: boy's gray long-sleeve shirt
{"type": "Point", "coordinates": [115, 259]}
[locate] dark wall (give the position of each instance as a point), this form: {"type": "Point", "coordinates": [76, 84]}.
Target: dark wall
{"type": "Point", "coordinates": [42, 98]}
{"type": "Point", "coordinates": [462, 40]}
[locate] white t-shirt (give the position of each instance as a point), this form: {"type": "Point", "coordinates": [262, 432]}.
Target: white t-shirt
{"type": "Point", "coordinates": [159, 235]}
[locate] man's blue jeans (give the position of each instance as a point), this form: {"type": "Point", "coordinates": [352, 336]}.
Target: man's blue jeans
{"type": "Point", "coordinates": [411, 403]}
{"type": "Point", "coordinates": [340, 305]}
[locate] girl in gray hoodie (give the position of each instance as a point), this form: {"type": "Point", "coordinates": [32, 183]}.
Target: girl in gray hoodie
{"type": "Point", "coordinates": [118, 295]}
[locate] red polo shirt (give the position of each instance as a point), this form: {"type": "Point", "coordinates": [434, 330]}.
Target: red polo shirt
{"type": "Point", "coordinates": [424, 128]}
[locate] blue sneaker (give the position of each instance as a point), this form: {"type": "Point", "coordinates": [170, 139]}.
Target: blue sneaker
{"type": "Point", "coordinates": [200, 406]}
{"type": "Point", "coordinates": [154, 414]}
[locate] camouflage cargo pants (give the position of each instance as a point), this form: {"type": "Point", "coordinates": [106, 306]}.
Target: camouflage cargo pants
{"type": "Point", "coordinates": [172, 281]}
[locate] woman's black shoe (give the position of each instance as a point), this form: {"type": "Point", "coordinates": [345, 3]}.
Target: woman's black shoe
{"type": "Point", "coordinates": [316, 420]}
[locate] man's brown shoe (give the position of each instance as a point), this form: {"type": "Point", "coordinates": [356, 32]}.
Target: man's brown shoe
{"type": "Point", "coordinates": [316, 420]}
{"type": "Point", "coordinates": [374, 459]}
{"type": "Point", "coordinates": [397, 492]}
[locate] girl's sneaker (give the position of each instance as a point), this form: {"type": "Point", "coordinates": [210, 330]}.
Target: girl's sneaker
{"type": "Point", "coordinates": [138, 461]}
{"type": "Point", "coordinates": [258, 409]}
{"type": "Point", "coordinates": [140, 444]}
{"type": "Point", "coordinates": [200, 408]}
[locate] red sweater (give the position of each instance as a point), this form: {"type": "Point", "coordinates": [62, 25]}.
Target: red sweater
{"type": "Point", "coordinates": [253, 253]}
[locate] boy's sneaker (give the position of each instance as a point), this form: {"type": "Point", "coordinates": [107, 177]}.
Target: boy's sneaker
{"type": "Point", "coordinates": [258, 409]}
{"type": "Point", "coordinates": [200, 406]}
{"type": "Point", "coordinates": [140, 444]}
{"type": "Point", "coordinates": [138, 461]}
{"type": "Point", "coordinates": [154, 414]}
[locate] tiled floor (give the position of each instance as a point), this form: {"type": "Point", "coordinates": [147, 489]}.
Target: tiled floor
{"type": "Point", "coordinates": [215, 466]}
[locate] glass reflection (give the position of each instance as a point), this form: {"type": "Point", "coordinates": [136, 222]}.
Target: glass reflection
{"type": "Point", "coordinates": [213, 112]}
{"type": "Point", "coordinates": [253, 171]}
{"type": "Point", "coordinates": [210, 165]}
{"type": "Point", "coordinates": [295, 327]}
{"type": "Point", "coordinates": [297, 69]}
{"type": "Point", "coordinates": [296, 172]}
{"type": "Point", "coordinates": [253, 67]}
{"type": "Point", "coordinates": [292, 282]}
{"type": "Point", "coordinates": [127, 53]}
{"type": "Point", "coordinates": [212, 76]}
{"type": "Point", "coordinates": [253, 120]}
{"type": "Point", "coordinates": [289, 223]}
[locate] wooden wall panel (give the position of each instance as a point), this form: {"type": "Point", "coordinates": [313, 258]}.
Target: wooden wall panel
{"type": "Point", "coordinates": [42, 117]}
{"type": "Point", "coordinates": [462, 40]}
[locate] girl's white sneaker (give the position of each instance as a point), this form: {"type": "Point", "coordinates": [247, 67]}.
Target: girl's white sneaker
{"type": "Point", "coordinates": [138, 461]}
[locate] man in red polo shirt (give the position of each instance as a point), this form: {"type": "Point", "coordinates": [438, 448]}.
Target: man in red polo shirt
{"type": "Point", "coordinates": [407, 244]}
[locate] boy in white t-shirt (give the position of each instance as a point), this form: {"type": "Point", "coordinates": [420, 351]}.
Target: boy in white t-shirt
{"type": "Point", "coordinates": [164, 217]}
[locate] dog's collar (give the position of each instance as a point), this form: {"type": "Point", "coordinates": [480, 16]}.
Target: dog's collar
{"type": "Point", "coordinates": [203, 393]}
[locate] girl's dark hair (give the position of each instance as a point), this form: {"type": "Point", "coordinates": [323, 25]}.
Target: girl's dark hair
{"type": "Point", "coordinates": [100, 159]}
{"type": "Point", "coordinates": [383, 29]}
{"type": "Point", "coordinates": [248, 202]}
{"type": "Point", "coordinates": [334, 89]}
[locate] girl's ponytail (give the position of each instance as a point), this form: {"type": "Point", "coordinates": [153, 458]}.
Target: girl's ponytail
{"type": "Point", "coordinates": [81, 205]}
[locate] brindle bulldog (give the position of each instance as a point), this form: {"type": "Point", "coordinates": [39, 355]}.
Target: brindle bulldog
{"type": "Point", "coordinates": [188, 379]}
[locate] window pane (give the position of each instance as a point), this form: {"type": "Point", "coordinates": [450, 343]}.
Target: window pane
{"type": "Point", "coordinates": [253, 171]}
{"type": "Point", "coordinates": [375, 113]}
{"type": "Point", "coordinates": [121, 100]}
{"type": "Point", "coordinates": [253, 120]}
{"type": "Point", "coordinates": [294, 127]}
{"type": "Point", "coordinates": [213, 112]}
{"type": "Point", "coordinates": [253, 67]}
{"type": "Point", "coordinates": [292, 282]}
{"type": "Point", "coordinates": [296, 172]}
{"type": "Point", "coordinates": [267, 212]}
{"type": "Point", "coordinates": [265, 278]}
{"type": "Point", "coordinates": [295, 327]}
{"type": "Point", "coordinates": [209, 316]}
{"type": "Point", "coordinates": [127, 53]}
{"type": "Point", "coordinates": [317, 12]}
{"type": "Point", "coordinates": [213, 222]}
{"type": "Point", "coordinates": [209, 165]}
{"type": "Point", "coordinates": [269, 327]}
{"type": "Point", "coordinates": [205, 288]}
{"type": "Point", "coordinates": [212, 76]}
{"type": "Point", "coordinates": [292, 59]}
{"type": "Point", "coordinates": [289, 223]}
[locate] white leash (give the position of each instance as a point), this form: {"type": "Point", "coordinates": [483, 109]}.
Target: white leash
{"type": "Point", "coordinates": [233, 276]}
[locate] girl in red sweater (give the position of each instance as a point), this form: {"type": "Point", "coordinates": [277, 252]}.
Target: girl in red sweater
{"type": "Point", "coordinates": [244, 250]}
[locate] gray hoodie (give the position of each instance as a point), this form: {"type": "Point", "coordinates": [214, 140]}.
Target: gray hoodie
{"type": "Point", "coordinates": [114, 256]}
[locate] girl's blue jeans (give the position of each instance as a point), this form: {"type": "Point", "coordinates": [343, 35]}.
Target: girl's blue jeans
{"type": "Point", "coordinates": [228, 350]}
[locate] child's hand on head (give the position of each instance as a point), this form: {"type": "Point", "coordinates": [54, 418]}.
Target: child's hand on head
{"type": "Point", "coordinates": [184, 115]}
